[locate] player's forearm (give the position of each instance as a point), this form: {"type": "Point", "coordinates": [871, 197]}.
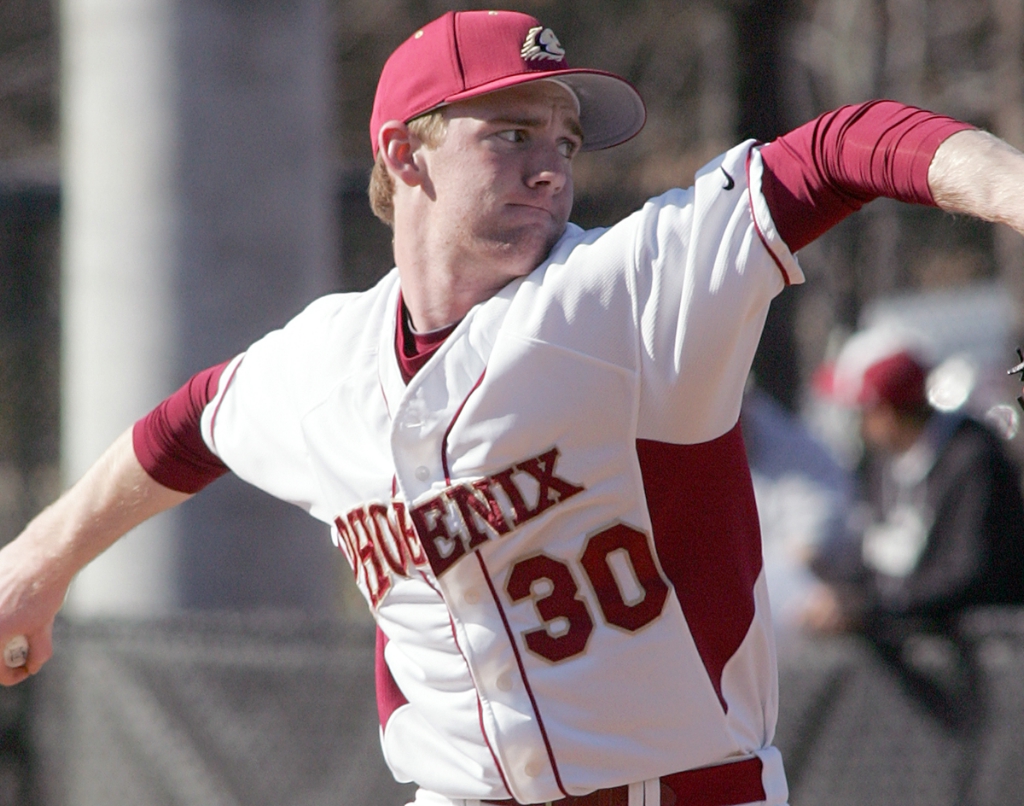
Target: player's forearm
{"type": "Point", "coordinates": [36, 569]}
{"type": "Point", "coordinates": [978, 174]}
{"type": "Point", "coordinates": [114, 496]}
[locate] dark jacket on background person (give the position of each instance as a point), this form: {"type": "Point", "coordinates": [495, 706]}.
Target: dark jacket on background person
{"type": "Point", "coordinates": [945, 531]}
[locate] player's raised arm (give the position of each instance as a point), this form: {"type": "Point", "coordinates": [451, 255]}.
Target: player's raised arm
{"type": "Point", "coordinates": [115, 495]}
{"type": "Point", "coordinates": [976, 173]}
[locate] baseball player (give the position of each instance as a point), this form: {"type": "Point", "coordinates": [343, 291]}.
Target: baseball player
{"type": "Point", "coordinates": [524, 438]}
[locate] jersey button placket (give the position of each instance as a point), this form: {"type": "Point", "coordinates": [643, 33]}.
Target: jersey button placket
{"type": "Point", "coordinates": [415, 442]}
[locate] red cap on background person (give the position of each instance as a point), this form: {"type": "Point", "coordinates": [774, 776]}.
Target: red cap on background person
{"type": "Point", "coordinates": [464, 54]}
{"type": "Point", "coordinates": [877, 367]}
{"type": "Point", "coordinates": [898, 380]}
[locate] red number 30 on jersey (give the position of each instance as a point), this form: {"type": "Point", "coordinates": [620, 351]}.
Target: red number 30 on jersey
{"type": "Point", "coordinates": [623, 574]}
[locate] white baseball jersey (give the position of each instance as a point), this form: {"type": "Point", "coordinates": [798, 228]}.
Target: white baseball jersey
{"type": "Point", "coordinates": [553, 522]}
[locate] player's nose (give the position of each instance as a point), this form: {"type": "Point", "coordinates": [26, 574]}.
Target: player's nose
{"type": "Point", "coordinates": [548, 170]}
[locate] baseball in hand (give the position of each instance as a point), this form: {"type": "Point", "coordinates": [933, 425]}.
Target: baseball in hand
{"type": "Point", "coordinates": [16, 652]}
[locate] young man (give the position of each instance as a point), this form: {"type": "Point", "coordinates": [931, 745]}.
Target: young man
{"type": "Point", "coordinates": [524, 437]}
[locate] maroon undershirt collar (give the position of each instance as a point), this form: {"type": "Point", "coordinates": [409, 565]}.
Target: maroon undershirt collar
{"type": "Point", "coordinates": [412, 349]}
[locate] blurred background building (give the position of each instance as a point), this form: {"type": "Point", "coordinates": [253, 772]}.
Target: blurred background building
{"type": "Point", "coordinates": [179, 176]}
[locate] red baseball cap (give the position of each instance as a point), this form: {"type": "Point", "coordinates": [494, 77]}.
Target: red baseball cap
{"type": "Point", "coordinates": [469, 53]}
{"type": "Point", "coordinates": [898, 380]}
{"type": "Point", "coordinates": [884, 363]}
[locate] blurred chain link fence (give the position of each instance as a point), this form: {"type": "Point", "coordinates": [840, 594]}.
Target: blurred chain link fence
{"type": "Point", "coordinates": [211, 710]}
{"type": "Point", "coordinates": [273, 710]}
{"type": "Point", "coordinates": [940, 726]}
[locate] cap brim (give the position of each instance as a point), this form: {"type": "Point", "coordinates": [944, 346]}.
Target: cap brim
{"type": "Point", "coordinates": [611, 110]}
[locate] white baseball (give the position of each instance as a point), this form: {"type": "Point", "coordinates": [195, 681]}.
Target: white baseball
{"type": "Point", "coordinates": [16, 652]}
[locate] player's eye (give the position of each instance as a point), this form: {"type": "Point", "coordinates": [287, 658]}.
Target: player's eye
{"type": "Point", "coordinates": [513, 135]}
{"type": "Point", "coordinates": [568, 148]}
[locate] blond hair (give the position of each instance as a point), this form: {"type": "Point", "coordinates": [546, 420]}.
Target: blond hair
{"type": "Point", "coordinates": [430, 129]}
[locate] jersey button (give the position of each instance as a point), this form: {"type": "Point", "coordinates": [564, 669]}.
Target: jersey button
{"type": "Point", "coordinates": [422, 473]}
{"type": "Point", "coordinates": [472, 596]}
{"type": "Point", "coordinates": [504, 682]}
{"type": "Point", "coordinates": [533, 769]}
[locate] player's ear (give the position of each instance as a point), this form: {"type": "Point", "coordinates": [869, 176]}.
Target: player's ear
{"type": "Point", "coordinates": [398, 146]}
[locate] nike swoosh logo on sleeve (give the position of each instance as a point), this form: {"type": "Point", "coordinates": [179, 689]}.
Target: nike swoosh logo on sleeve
{"type": "Point", "coordinates": [729, 182]}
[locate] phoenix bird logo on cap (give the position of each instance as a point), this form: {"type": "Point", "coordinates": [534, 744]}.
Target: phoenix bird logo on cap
{"type": "Point", "coordinates": [541, 43]}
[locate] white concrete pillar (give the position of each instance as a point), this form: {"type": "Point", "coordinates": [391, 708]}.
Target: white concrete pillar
{"type": "Point", "coordinates": [118, 259]}
{"type": "Point", "coordinates": [198, 215]}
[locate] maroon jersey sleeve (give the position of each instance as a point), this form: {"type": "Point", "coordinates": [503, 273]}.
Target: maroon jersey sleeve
{"type": "Point", "coordinates": [818, 174]}
{"type": "Point", "coordinates": [169, 443]}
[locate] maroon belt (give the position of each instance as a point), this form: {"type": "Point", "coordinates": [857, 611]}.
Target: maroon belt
{"type": "Point", "coordinates": [722, 785]}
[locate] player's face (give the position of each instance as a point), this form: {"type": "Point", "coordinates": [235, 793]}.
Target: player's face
{"type": "Point", "coordinates": [503, 175]}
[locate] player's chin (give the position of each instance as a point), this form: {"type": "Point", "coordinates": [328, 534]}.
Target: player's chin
{"type": "Point", "coordinates": [526, 248]}
{"type": "Point", "coordinates": [532, 233]}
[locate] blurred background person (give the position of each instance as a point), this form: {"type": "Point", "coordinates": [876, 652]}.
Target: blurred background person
{"type": "Point", "coordinates": [939, 527]}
